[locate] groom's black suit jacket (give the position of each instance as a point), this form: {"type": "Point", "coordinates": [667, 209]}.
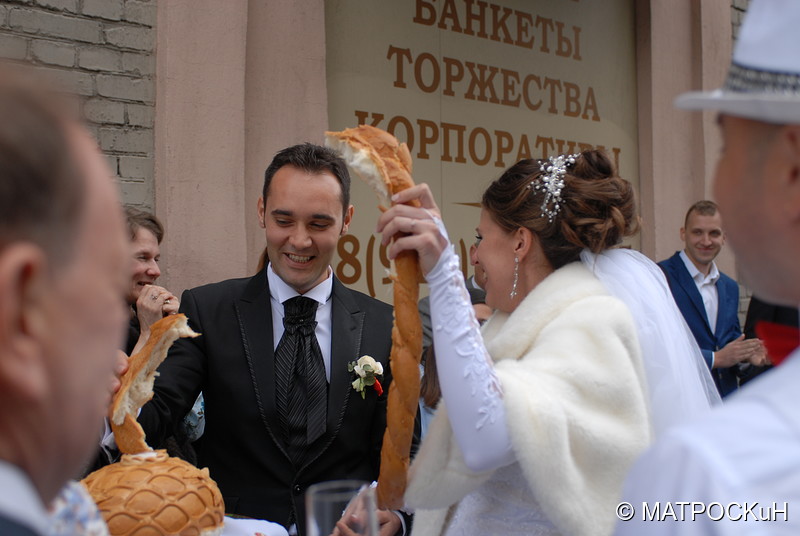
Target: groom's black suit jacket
{"type": "Point", "coordinates": [232, 363]}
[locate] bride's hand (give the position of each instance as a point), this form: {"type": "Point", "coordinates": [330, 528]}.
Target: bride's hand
{"type": "Point", "coordinates": [414, 228]}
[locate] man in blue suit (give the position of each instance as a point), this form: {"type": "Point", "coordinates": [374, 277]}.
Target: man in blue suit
{"type": "Point", "coordinates": [709, 299]}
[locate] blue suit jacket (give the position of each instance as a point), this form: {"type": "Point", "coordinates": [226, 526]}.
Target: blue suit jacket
{"type": "Point", "coordinates": [10, 527]}
{"type": "Point", "coordinates": [691, 305]}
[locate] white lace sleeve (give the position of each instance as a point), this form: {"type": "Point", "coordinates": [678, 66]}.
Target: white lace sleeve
{"type": "Point", "coordinates": [469, 384]}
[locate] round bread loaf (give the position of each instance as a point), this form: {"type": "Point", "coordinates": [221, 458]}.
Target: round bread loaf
{"type": "Point", "coordinates": [154, 494]}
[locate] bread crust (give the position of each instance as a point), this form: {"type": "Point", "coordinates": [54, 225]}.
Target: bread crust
{"type": "Point", "coordinates": [153, 493]}
{"type": "Point", "coordinates": [137, 383]}
{"type": "Point", "coordinates": [148, 492]}
{"type": "Point", "coordinates": [392, 173]}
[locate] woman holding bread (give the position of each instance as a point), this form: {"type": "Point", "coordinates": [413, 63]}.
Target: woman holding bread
{"type": "Point", "coordinates": [545, 409]}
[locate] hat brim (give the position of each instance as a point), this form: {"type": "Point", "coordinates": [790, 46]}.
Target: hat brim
{"type": "Point", "coordinates": [766, 107]}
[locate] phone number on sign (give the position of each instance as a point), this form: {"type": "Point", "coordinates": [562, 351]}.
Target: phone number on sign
{"type": "Point", "coordinates": [350, 269]}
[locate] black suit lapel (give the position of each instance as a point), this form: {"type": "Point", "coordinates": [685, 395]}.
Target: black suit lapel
{"type": "Point", "coordinates": [254, 313]}
{"type": "Point", "coordinates": [348, 322]}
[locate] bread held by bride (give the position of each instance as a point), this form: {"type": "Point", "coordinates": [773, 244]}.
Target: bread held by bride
{"type": "Point", "coordinates": [376, 157]}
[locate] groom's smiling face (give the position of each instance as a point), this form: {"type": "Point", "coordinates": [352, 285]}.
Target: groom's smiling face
{"type": "Point", "coordinates": [303, 218]}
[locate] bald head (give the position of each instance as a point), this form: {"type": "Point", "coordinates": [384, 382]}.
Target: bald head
{"type": "Point", "coordinates": [41, 194]}
{"type": "Point", "coordinates": [757, 186]}
{"type": "Point", "coordinates": [63, 274]}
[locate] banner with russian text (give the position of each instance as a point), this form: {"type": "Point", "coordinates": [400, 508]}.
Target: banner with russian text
{"type": "Point", "coordinates": [474, 86]}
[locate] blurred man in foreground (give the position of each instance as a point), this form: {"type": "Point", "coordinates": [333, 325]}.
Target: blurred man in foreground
{"type": "Point", "coordinates": [737, 469]}
{"type": "Point", "coordinates": [63, 275]}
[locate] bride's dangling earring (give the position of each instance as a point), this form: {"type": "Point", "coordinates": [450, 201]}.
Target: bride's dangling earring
{"type": "Point", "coordinates": [516, 278]}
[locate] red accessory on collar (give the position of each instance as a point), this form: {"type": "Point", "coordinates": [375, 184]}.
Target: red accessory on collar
{"type": "Point", "coordinates": [780, 339]}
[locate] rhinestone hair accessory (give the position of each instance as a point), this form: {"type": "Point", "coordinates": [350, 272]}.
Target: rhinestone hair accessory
{"type": "Point", "coordinates": [551, 182]}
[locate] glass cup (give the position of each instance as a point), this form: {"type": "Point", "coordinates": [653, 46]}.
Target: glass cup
{"type": "Point", "coordinates": [351, 501]}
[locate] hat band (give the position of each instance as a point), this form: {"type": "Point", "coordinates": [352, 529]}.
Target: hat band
{"type": "Point", "coordinates": [747, 80]}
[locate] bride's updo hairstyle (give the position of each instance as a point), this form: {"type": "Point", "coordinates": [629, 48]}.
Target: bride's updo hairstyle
{"type": "Point", "coordinates": [596, 209]}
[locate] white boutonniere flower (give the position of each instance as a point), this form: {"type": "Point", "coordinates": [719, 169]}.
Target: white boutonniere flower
{"type": "Point", "coordinates": [367, 371]}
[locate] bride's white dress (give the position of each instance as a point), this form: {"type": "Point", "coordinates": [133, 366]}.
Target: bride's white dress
{"type": "Point", "coordinates": [503, 505]}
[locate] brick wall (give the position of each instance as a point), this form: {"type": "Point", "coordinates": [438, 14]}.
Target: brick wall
{"type": "Point", "coordinates": [105, 51]}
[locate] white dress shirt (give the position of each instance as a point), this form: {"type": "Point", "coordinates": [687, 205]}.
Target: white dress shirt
{"type": "Point", "coordinates": [19, 499]}
{"type": "Point", "coordinates": [707, 286]}
{"type": "Point", "coordinates": [280, 292]}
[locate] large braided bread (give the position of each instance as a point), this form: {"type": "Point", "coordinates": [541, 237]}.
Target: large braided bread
{"type": "Point", "coordinates": [377, 158]}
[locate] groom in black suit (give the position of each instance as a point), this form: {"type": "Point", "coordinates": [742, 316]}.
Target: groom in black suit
{"type": "Point", "coordinates": [260, 454]}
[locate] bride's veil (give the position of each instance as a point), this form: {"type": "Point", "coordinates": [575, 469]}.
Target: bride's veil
{"type": "Point", "coordinates": [678, 379]}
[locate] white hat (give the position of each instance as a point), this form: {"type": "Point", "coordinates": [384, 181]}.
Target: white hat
{"type": "Point", "coordinates": [764, 79]}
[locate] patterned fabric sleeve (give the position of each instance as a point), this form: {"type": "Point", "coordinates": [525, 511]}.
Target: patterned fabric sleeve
{"type": "Point", "coordinates": [74, 512]}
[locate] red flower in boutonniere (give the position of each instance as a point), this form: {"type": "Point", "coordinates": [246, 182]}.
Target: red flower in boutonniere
{"type": "Point", "coordinates": [367, 371]}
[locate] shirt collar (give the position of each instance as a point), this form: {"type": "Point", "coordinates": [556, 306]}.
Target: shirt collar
{"type": "Point", "coordinates": [697, 275]}
{"type": "Point", "coordinates": [280, 291]}
{"type": "Point", "coordinates": [24, 503]}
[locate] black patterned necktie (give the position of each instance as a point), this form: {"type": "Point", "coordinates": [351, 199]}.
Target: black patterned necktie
{"type": "Point", "coordinates": [301, 387]}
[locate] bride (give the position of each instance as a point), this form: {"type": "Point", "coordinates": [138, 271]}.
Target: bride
{"type": "Point", "coordinates": [544, 410]}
